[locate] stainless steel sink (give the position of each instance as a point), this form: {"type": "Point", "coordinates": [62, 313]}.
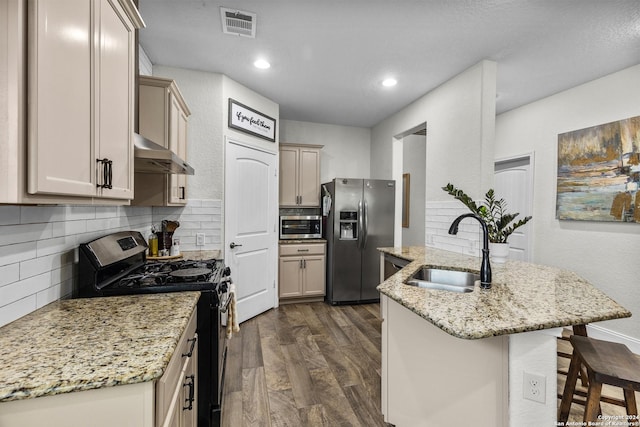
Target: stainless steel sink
{"type": "Point", "coordinates": [446, 280]}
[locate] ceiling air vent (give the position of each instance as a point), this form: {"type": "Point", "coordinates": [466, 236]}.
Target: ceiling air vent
{"type": "Point", "coordinates": [238, 22]}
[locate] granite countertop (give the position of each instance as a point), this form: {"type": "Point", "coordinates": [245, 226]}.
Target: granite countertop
{"type": "Point", "coordinates": [83, 344]}
{"type": "Point", "coordinates": [523, 297]}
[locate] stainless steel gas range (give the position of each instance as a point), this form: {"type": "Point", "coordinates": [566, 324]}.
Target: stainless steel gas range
{"type": "Point", "coordinates": [116, 265]}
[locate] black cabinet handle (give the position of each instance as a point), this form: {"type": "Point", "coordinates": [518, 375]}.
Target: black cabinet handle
{"type": "Point", "coordinates": [182, 193]}
{"type": "Point", "coordinates": [191, 379]}
{"type": "Point", "coordinates": [193, 344]}
{"type": "Point", "coordinates": [107, 173]}
{"type": "Point", "coordinates": [110, 167]}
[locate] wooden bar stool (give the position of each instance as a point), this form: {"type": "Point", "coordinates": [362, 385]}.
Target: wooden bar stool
{"type": "Point", "coordinates": [606, 363]}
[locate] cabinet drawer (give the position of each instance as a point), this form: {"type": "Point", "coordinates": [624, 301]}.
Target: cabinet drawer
{"type": "Point", "coordinates": [169, 380]}
{"type": "Point", "coordinates": [302, 249]}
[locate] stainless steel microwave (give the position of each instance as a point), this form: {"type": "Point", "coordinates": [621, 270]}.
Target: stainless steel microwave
{"type": "Point", "coordinates": [301, 227]}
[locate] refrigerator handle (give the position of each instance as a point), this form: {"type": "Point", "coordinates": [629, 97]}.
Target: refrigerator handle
{"type": "Point", "coordinates": [360, 225]}
{"type": "Point", "coordinates": [365, 224]}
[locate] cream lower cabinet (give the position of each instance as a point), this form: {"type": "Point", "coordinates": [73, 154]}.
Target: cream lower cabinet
{"type": "Point", "coordinates": [176, 391]}
{"type": "Point", "coordinates": [163, 119]}
{"type": "Point", "coordinates": [68, 71]}
{"type": "Point", "coordinates": [302, 270]}
{"type": "Point", "coordinates": [299, 175]}
{"type": "Point", "coordinates": [431, 378]}
{"type": "Point", "coordinates": [169, 401]}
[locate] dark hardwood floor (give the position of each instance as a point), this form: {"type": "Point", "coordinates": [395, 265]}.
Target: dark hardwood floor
{"type": "Point", "coordinates": [305, 365]}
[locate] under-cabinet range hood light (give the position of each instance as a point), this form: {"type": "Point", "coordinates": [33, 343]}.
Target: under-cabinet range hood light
{"type": "Point", "coordinates": [154, 158]}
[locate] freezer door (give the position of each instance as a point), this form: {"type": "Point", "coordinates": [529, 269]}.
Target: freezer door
{"type": "Point", "coordinates": [345, 262]}
{"type": "Point", "coordinates": [379, 215]}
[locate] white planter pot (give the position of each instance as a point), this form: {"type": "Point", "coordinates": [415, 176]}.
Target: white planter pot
{"type": "Point", "coordinates": [498, 252]}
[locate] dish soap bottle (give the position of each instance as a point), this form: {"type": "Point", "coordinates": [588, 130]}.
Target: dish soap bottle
{"type": "Point", "coordinates": [153, 243]}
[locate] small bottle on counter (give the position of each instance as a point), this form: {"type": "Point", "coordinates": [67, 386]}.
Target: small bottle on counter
{"type": "Point", "coordinates": [175, 248]}
{"type": "Point", "coordinates": [153, 243]}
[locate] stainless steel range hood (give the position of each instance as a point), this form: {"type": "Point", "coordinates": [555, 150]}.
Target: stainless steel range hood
{"type": "Point", "coordinates": [154, 158]}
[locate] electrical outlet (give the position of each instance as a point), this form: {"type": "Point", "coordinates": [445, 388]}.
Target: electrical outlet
{"type": "Point", "coordinates": [199, 239]}
{"type": "Point", "coordinates": [534, 387]}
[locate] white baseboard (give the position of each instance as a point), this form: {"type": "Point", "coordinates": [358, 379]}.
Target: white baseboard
{"type": "Point", "coordinates": [601, 333]}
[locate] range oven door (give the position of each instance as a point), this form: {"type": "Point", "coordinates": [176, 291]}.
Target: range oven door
{"type": "Point", "coordinates": [211, 352]}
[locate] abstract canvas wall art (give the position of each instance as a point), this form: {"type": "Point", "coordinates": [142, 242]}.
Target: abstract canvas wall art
{"type": "Point", "coordinates": [599, 173]}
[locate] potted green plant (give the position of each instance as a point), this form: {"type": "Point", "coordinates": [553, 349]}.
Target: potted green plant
{"type": "Point", "coordinates": [493, 212]}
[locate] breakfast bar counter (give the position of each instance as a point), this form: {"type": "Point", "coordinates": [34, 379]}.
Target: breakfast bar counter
{"type": "Point", "coordinates": [523, 296]}
{"type": "Point", "coordinates": [447, 355]}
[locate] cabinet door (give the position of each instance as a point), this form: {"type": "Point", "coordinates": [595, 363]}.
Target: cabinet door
{"type": "Point", "coordinates": [60, 139]}
{"type": "Point", "coordinates": [189, 415]}
{"type": "Point", "coordinates": [178, 144]}
{"type": "Point", "coordinates": [114, 75]}
{"type": "Point", "coordinates": [290, 277]}
{"type": "Point", "coordinates": [309, 178]}
{"type": "Point", "coordinates": [289, 176]}
{"type": "Point", "coordinates": [313, 275]}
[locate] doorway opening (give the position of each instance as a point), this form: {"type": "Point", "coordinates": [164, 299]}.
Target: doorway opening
{"type": "Point", "coordinates": [410, 174]}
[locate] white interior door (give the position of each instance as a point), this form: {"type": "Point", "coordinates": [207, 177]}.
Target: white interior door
{"type": "Point", "coordinates": [513, 182]}
{"type": "Point", "coordinates": [251, 240]}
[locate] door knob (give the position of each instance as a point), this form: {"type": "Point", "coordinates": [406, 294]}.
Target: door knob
{"type": "Point", "coordinates": [233, 245]}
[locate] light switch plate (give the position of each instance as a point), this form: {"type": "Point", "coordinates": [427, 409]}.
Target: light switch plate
{"type": "Point", "coordinates": [199, 239]}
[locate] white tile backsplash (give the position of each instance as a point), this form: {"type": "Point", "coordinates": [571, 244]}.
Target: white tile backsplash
{"type": "Point", "coordinates": [9, 215]}
{"type": "Point", "coordinates": [199, 216]}
{"type": "Point", "coordinates": [38, 244]}
{"type": "Point", "coordinates": [438, 219]}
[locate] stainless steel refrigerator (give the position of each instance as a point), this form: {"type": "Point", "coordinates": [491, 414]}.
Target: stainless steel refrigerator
{"type": "Point", "coordinates": [360, 219]}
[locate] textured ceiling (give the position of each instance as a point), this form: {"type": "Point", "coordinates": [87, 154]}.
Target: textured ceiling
{"type": "Point", "coordinates": [329, 57]}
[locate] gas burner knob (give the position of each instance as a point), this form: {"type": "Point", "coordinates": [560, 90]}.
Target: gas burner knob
{"type": "Point", "coordinates": [226, 271]}
{"type": "Point", "coordinates": [224, 287]}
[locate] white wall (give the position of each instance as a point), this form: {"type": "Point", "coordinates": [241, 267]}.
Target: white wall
{"type": "Point", "coordinates": [234, 90]}
{"type": "Point", "coordinates": [460, 118]}
{"type": "Point", "coordinates": [145, 67]}
{"type": "Point", "coordinates": [606, 254]}
{"type": "Point", "coordinates": [346, 152]}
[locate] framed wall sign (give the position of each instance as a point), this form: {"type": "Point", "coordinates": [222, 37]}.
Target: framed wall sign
{"type": "Point", "coordinates": [248, 120]}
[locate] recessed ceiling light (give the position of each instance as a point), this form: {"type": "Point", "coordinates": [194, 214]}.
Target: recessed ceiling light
{"type": "Point", "coordinates": [389, 82]}
{"type": "Point", "coordinates": [262, 64]}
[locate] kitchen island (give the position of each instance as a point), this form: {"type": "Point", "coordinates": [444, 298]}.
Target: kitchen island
{"type": "Point", "coordinates": [450, 356]}
{"type": "Point", "coordinates": [66, 358]}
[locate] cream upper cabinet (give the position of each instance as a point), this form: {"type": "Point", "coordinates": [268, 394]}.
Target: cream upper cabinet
{"type": "Point", "coordinates": [69, 80]}
{"type": "Point", "coordinates": [163, 118]}
{"type": "Point", "coordinates": [300, 175]}
{"type": "Point", "coordinates": [81, 98]}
